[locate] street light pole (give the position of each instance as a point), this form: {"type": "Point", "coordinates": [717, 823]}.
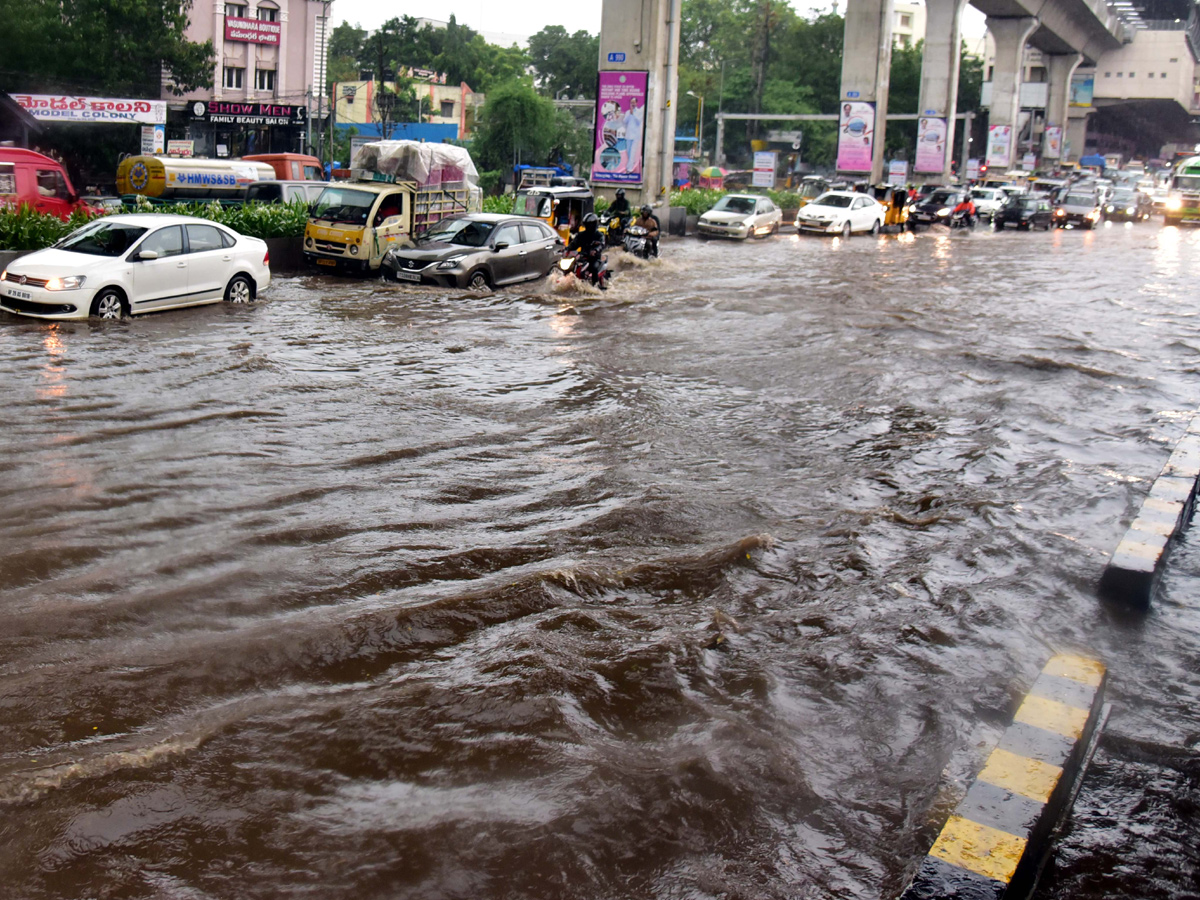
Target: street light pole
{"type": "Point", "coordinates": [699, 125]}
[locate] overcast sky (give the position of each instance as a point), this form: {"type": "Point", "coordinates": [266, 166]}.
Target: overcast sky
{"type": "Point", "coordinates": [505, 23]}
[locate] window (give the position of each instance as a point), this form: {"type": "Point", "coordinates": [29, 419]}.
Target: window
{"type": "Point", "coordinates": [1120, 74]}
{"type": "Point", "coordinates": [268, 14]}
{"type": "Point", "coordinates": [1108, 74]}
{"type": "Point", "coordinates": [905, 20]}
{"type": "Point", "coordinates": [203, 237]}
{"type": "Point", "coordinates": [8, 179]}
{"type": "Point", "coordinates": [447, 109]}
{"type": "Point", "coordinates": [264, 80]}
{"type": "Point", "coordinates": [165, 242]}
{"type": "Point", "coordinates": [234, 77]}
{"type": "Point", "coordinates": [50, 183]}
{"type": "Point", "coordinates": [235, 10]}
{"type": "Point", "coordinates": [1037, 74]}
{"type": "Point", "coordinates": [531, 233]}
{"type": "Point", "coordinates": [1131, 74]}
{"type": "Point", "coordinates": [1174, 59]}
{"type": "Point", "coordinates": [1164, 74]}
{"type": "Point", "coordinates": [509, 234]}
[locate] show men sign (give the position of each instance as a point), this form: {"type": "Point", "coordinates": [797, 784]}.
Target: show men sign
{"type": "Point", "coordinates": [219, 112]}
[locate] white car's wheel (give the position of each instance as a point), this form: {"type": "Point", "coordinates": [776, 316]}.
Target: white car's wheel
{"type": "Point", "coordinates": [875, 226]}
{"type": "Point", "coordinates": [239, 290]}
{"type": "Point", "coordinates": [846, 229]}
{"type": "Point", "coordinates": [109, 304]}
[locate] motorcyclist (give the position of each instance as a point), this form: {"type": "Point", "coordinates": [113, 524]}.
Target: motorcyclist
{"type": "Point", "coordinates": [588, 242]}
{"type": "Point", "coordinates": [646, 219]}
{"type": "Point", "coordinates": [620, 206]}
{"type": "Point", "coordinates": [965, 210]}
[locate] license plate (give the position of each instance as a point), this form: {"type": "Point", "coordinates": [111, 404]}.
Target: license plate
{"type": "Point", "coordinates": [326, 262]}
{"type": "Point", "coordinates": [19, 295]}
{"type": "Point", "coordinates": [408, 276]}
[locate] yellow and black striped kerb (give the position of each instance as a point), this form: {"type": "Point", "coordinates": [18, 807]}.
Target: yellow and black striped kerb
{"type": "Point", "coordinates": [994, 843]}
{"type": "Point", "coordinates": [1136, 565]}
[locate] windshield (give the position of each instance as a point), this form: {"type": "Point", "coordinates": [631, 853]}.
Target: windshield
{"type": "Point", "coordinates": [1079, 200]}
{"type": "Point", "coordinates": [1123, 196]}
{"type": "Point", "coordinates": [467, 232]}
{"type": "Point", "coordinates": [834, 200]}
{"type": "Point", "coordinates": [983, 194]}
{"type": "Point", "coordinates": [102, 238]}
{"type": "Point", "coordinates": [734, 205]}
{"type": "Point", "coordinates": [1187, 182]}
{"type": "Point", "coordinates": [941, 198]}
{"type": "Point", "coordinates": [337, 204]}
{"type": "Point", "coordinates": [811, 189]}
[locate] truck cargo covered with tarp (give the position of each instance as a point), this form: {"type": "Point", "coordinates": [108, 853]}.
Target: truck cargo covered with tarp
{"type": "Point", "coordinates": [444, 175]}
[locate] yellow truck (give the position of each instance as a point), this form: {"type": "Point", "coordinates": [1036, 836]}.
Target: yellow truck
{"type": "Point", "coordinates": [399, 189]}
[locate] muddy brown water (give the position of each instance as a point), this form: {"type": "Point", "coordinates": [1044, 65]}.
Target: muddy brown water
{"type": "Point", "coordinates": [721, 584]}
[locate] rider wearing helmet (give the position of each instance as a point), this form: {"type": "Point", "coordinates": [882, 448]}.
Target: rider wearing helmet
{"type": "Point", "coordinates": [649, 221]}
{"type": "Point", "coordinates": [620, 206]}
{"type": "Point", "coordinates": [589, 243]}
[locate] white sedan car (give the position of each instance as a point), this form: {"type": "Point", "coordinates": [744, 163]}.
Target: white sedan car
{"type": "Point", "coordinates": [842, 212]}
{"type": "Point", "coordinates": [741, 216]}
{"type": "Point", "coordinates": [127, 264]}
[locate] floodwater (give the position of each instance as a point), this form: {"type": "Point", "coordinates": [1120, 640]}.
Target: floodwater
{"type": "Point", "coordinates": [721, 584]}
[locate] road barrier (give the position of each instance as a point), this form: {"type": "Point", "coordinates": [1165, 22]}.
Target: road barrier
{"type": "Point", "coordinates": [995, 843]}
{"type": "Point", "coordinates": [1132, 574]}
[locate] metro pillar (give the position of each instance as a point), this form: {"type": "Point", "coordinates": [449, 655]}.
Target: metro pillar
{"type": "Point", "coordinates": [939, 68]}
{"type": "Point", "coordinates": [866, 67]}
{"type": "Point", "coordinates": [643, 36]}
{"type": "Point", "coordinates": [1010, 36]}
{"type": "Point", "coordinates": [1059, 69]}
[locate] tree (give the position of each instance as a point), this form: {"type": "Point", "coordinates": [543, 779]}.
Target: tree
{"type": "Point", "coordinates": [565, 62]}
{"type": "Point", "coordinates": [517, 125]}
{"type": "Point", "coordinates": [113, 47]}
{"type": "Point", "coordinates": [345, 49]}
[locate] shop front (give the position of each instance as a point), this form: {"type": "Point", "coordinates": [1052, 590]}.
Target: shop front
{"type": "Point", "coordinates": [220, 128]}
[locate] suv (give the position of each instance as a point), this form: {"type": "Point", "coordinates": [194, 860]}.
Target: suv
{"type": "Point", "coordinates": [1025, 212]}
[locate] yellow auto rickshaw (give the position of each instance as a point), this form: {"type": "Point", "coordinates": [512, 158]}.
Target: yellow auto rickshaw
{"type": "Point", "coordinates": [895, 199]}
{"type": "Point", "coordinates": [562, 208]}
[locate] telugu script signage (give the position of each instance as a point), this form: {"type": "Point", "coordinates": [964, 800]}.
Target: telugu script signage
{"type": "Point", "coordinates": [218, 112]}
{"type": "Point", "coordinates": [252, 31]}
{"type": "Point", "coordinates": [67, 108]}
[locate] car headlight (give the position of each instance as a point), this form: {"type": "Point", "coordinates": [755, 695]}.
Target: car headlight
{"type": "Point", "coordinates": [944, 211]}
{"type": "Point", "coordinates": [1109, 208]}
{"type": "Point", "coordinates": [69, 283]}
{"type": "Point", "coordinates": [450, 263]}
{"type": "Point", "coordinates": [354, 249]}
{"type": "Point", "coordinates": [1174, 203]}
{"type": "Point", "coordinates": [1060, 212]}
{"type": "Point", "coordinates": [1129, 211]}
{"type": "Point", "coordinates": [4, 275]}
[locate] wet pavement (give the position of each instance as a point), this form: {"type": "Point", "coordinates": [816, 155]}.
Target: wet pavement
{"type": "Point", "coordinates": [722, 583]}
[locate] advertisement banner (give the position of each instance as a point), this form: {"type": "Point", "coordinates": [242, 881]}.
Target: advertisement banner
{"type": "Point", "coordinates": [999, 146]}
{"type": "Point", "coordinates": [765, 162]}
{"type": "Point", "coordinates": [973, 169]}
{"type": "Point", "coordinates": [897, 173]}
{"type": "Point", "coordinates": [153, 139]}
{"type": "Point", "coordinates": [252, 31]}
{"type": "Point", "coordinates": [67, 108]}
{"type": "Point", "coordinates": [931, 145]}
{"type": "Point", "coordinates": [1082, 89]}
{"type": "Point", "coordinates": [221, 113]}
{"type": "Point", "coordinates": [620, 117]}
{"type": "Point", "coordinates": [181, 148]}
{"type": "Point", "coordinates": [856, 136]}
{"type": "Point", "coordinates": [1052, 148]}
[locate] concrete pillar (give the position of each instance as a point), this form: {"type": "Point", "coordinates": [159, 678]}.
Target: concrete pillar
{"type": "Point", "coordinates": [1010, 36]}
{"type": "Point", "coordinates": [1059, 69]}
{"type": "Point", "coordinates": [939, 68]}
{"type": "Point", "coordinates": [866, 66]}
{"type": "Point", "coordinates": [643, 36]}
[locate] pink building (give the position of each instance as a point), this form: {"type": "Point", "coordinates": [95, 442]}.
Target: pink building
{"type": "Point", "coordinates": [268, 80]}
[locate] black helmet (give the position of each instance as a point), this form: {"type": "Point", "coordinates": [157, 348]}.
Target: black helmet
{"type": "Point", "coordinates": [590, 221]}
{"type": "Point", "coordinates": [645, 211]}
{"type": "Point", "coordinates": [620, 193]}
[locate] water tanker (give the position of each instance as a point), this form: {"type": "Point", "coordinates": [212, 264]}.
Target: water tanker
{"type": "Point", "coordinates": [170, 178]}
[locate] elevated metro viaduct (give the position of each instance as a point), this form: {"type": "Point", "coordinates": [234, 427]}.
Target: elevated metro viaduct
{"type": "Point", "coordinates": [1068, 32]}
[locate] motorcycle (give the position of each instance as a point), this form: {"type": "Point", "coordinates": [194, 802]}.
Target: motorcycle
{"type": "Point", "coordinates": [584, 269]}
{"type": "Point", "coordinates": [613, 228]}
{"type": "Point", "coordinates": [963, 217]}
{"type": "Point", "coordinates": [637, 242]}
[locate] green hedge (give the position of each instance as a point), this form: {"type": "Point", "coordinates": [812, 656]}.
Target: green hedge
{"type": "Point", "coordinates": [25, 229]}
{"type": "Point", "coordinates": [700, 200]}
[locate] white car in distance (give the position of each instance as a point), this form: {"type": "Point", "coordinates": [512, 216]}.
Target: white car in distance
{"type": "Point", "coordinates": [841, 212]}
{"type": "Point", "coordinates": [127, 264]}
{"type": "Point", "coordinates": [741, 216]}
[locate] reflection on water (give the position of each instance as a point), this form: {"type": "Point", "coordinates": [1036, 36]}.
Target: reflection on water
{"type": "Point", "coordinates": [720, 583]}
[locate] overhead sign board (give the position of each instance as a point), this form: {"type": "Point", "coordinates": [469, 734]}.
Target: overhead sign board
{"type": "Point", "coordinates": [785, 137]}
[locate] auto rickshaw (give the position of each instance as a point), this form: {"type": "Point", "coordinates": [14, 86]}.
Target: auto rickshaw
{"type": "Point", "coordinates": [895, 199]}
{"type": "Point", "coordinates": [812, 187]}
{"type": "Point", "coordinates": [562, 208]}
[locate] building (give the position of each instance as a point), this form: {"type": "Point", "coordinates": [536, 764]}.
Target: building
{"type": "Point", "coordinates": [441, 104]}
{"type": "Point", "coordinates": [908, 25]}
{"type": "Point", "coordinates": [268, 79]}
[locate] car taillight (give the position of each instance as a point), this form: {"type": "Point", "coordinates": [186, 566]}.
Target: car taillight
{"type": "Point", "coordinates": [267, 258]}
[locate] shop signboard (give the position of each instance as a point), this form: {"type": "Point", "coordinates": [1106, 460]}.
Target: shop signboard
{"type": "Point", "coordinates": [219, 112]}
{"type": "Point", "coordinates": [153, 139]}
{"type": "Point", "coordinates": [931, 145]}
{"type": "Point", "coordinates": [252, 31]}
{"type": "Point", "coordinates": [856, 136]}
{"type": "Point", "coordinates": [93, 110]}
{"type": "Point", "coordinates": [181, 148]}
{"type": "Point", "coordinates": [620, 120]}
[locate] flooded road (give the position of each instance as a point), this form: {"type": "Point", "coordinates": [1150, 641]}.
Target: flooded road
{"type": "Point", "coordinates": [723, 583]}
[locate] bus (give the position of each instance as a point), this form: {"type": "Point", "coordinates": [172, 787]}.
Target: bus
{"type": "Point", "coordinates": [1183, 197]}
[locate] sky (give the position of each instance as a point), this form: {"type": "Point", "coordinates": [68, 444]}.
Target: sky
{"type": "Point", "coordinates": [506, 23]}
